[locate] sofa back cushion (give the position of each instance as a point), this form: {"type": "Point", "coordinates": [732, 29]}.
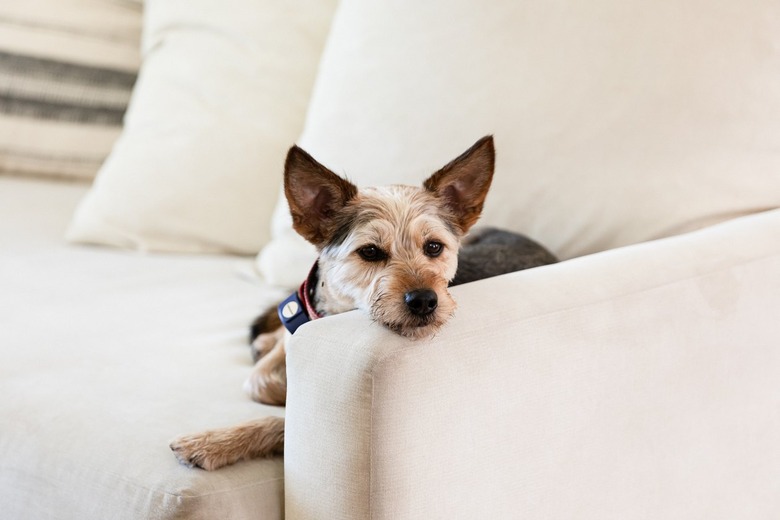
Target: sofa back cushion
{"type": "Point", "coordinates": [615, 121]}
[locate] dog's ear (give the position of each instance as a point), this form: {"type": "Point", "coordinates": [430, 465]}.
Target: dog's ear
{"type": "Point", "coordinates": [463, 184]}
{"type": "Point", "coordinates": [315, 194]}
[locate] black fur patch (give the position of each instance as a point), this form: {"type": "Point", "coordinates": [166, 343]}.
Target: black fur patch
{"type": "Point", "coordinates": [492, 252]}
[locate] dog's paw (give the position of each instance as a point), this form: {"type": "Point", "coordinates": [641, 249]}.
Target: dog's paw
{"type": "Point", "coordinates": [196, 451]}
{"type": "Point", "coordinates": [264, 343]}
{"type": "Point", "coordinates": [253, 387]}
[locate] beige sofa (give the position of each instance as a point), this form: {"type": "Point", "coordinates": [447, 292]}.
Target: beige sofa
{"type": "Point", "coordinates": [640, 382]}
{"type": "Point", "coordinates": [637, 379]}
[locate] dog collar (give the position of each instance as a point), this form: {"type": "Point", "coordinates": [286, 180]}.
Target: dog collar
{"type": "Point", "coordinates": [298, 308]}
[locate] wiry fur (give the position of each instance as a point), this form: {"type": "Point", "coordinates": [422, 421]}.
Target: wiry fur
{"type": "Point", "coordinates": [399, 220]}
{"type": "Point", "coordinates": [405, 288]}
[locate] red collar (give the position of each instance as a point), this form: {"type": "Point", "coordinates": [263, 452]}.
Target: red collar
{"type": "Point", "coordinates": [307, 290]}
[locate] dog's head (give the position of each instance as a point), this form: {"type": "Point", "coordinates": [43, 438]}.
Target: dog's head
{"type": "Point", "coordinates": [391, 250]}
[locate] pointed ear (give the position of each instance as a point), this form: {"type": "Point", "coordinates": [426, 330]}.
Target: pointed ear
{"type": "Point", "coordinates": [315, 195]}
{"type": "Point", "coordinates": [463, 184]}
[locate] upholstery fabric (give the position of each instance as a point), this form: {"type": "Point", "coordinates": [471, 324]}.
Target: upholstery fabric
{"type": "Point", "coordinates": [221, 95]}
{"type": "Point", "coordinates": [615, 121]}
{"type": "Point", "coordinates": [67, 68]}
{"type": "Point", "coordinates": [636, 383]}
{"type": "Point", "coordinates": [105, 357]}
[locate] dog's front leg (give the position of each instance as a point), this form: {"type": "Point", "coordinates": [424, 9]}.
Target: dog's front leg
{"type": "Point", "coordinates": [213, 449]}
{"type": "Point", "coordinates": [268, 381]}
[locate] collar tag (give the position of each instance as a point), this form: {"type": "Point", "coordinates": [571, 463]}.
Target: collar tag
{"type": "Point", "coordinates": [292, 312]}
{"type": "Point", "coordinates": [298, 308]}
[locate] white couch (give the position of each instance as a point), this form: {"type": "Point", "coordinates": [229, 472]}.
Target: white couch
{"type": "Point", "coordinates": [640, 382]}
{"type": "Point", "coordinates": [639, 378]}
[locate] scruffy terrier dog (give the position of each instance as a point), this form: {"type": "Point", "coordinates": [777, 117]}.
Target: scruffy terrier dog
{"type": "Point", "coordinates": [390, 251]}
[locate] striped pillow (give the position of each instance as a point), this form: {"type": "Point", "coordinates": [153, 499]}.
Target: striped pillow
{"type": "Point", "coordinates": [67, 68]}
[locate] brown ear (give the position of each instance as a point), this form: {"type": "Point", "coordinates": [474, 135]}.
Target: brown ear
{"type": "Point", "coordinates": [463, 184]}
{"type": "Point", "coordinates": [315, 195]}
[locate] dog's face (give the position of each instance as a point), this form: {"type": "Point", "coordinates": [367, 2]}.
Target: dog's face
{"type": "Point", "coordinates": [395, 261]}
{"type": "Point", "coordinates": [390, 251]}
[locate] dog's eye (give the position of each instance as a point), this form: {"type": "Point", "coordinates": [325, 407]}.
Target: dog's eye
{"type": "Point", "coordinates": [371, 254]}
{"type": "Point", "coordinates": [433, 249]}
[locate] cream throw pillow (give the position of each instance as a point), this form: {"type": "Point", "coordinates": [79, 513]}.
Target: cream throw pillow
{"type": "Point", "coordinates": [615, 121]}
{"type": "Point", "coordinates": [221, 95]}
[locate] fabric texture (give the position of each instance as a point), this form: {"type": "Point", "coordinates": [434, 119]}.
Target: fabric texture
{"type": "Point", "coordinates": [107, 356]}
{"type": "Point", "coordinates": [615, 122]}
{"type": "Point", "coordinates": [67, 69]}
{"type": "Point", "coordinates": [636, 383]}
{"type": "Point", "coordinates": [220, 98]}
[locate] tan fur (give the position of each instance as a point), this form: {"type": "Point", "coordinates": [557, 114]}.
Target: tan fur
{"type": "Point", "coordinates": [341, 220]}
{"type": "Point", "coordinates": [213, 449]}
{"type": "Point", "coordinates": [464, 183]}
{"type": "Point", "coordinates": [268, 381]}
{"type": "Point", "coordinates": [264, 343]}
{"type": "Point", "coordinates": [314, 194]}
{"type": "Point", "coordinates": [402, 220]}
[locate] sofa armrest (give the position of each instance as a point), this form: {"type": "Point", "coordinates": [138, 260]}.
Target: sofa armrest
{"type": "Point", "coordinates": [640, 382]}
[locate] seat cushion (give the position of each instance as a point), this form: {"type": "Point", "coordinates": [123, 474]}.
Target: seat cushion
{"type": "Point", "coordinates": [105, 357]}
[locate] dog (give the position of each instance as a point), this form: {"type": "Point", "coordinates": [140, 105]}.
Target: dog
{"type": "Point", "coordinates": [389, 251]}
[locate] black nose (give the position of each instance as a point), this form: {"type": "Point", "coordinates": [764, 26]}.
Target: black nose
{"type": "Point", "coordinates": [421, 302]}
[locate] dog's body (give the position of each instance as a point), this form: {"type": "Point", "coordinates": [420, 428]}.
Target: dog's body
{"type": "Point", "coordinates": [390, 251]}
